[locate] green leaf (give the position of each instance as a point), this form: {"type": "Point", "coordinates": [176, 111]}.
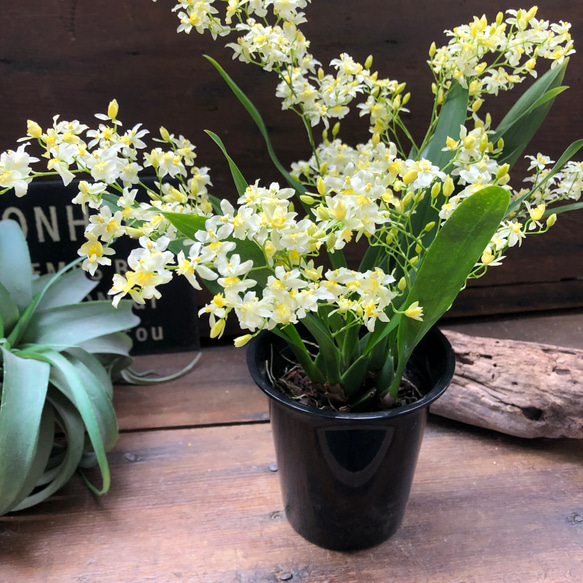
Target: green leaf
{"type": "Point", "coordinates": [72, 426]}
{"type": "Point", "coordinates": [446, 265]}
{"type": "Point", "coordinates": [8, 312]}
{"type": "Point", "coordinates": [290, 334]}
{"type": "Point", "coordinates": [89, 364]}
{"type": "Point", "coordinates": [526, 116]}
{"type": "Point", "coordinates": [71, 288]}
{"type": "Point", "coordinates": [42, 456]}
{"type": "Point", "coordinates": [451, 118]}
{"type": "Point", "coordinates": [238, 178]}
{"type": "Point", "coordinates": [256, 117]}
{"type": "Point", "coordinates": [72, 378]}
{"type": "Point", "coordinates": [24, 391]}
{"type": "Point", "coordinates": [15, 265]}
{"type": "Point", "coordinates": [354, 377]}
{"type": "Point", "coordinates": [329, 356]}
{"type": "Point", "coordinates": [563, 209]}
{"type": "Point", "coordinates": [67, 326]}
{"type": "Point", "coordinates": [112, 350]}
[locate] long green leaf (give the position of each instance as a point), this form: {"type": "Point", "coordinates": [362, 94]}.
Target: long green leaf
{"type": "Point", "coordinates": [8, 312]}
{"type": "Point", "coordinates": [238, 178]}
{"type": "Point", "coordinates": [112, 350]}
{"type": "Point", "coordinates": [70, 288]}
{"type": "Point", "coordinates": [71, 325]}
{"type": "Point", "coordinates": [78, 386]}
{"type": "Point", "coordinates": [447, 264]}
{"type": "Point", "coordinates": [256, 117]}
{"type": "Point", "coordinates": [297, 346]}
{"type": "Point", "coordinates": [563, 209]}
{"type": "Point", "coordinates": [15, 265]}
{"type": "Point", "coordinates": [526, 116]}
{"type": "Point", "coordinates": [89, 365]}
{"type": "Point", "coordinates": [451, 118]}
{"type": "Point", "coordinates": [42, 456]}
{"type": "Point", "coordinates": [329, 356]}
{"type": "Point", "coordinates": [74, 431]}
{"type": "Point", "coordinates": [24, 391]}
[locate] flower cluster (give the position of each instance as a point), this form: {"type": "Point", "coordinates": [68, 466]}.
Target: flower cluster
{"type": "Point", "coordinates": [262, 258]}
{"type": "Point", "coordinates": [490, 57]}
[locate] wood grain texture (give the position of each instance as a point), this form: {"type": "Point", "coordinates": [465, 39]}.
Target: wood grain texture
{"type": "Point", "coordinates": [195, 499]}
{"type": "Point", "coordinates": [72, 57]}
{"type": "Point", "coordinates": [525, 389]}
{"type": "Point", "coordinates": [219, 390]}
{"type": "Point", "coordinates": [203, 505]}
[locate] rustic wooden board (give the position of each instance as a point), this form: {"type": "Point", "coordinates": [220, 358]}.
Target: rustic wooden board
{"type": "Point", "coordinates": [203, 505]}
{"type": "Point", "coordinates": [81, 54]}
{"type": "Point", "coordinates": [218, 390]}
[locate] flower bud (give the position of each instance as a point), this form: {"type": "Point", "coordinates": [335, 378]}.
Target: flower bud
{"type": "Point", "coordinates": [368, 62]}
{"type": "Point", "coordinates": [435, 189]}
{"type": "Point", "coordinates": [321, 185]}
{"type": "Point", "coordinates": [402, 284]}
{"type": "Point", "coordinates": [242, 340]}
{"type": "Point", "coordinates": [34, 130]}
{"type": "Point", "coordinates": [217, 329]}
{"type": "Point", "coordinates": [164, 134]}
{"type": "Point", "coordinates": [429, 226]}
{"type": "Point", "coordinates": [112, 109]}
{"type": "Point", "coordinates": [551, 220]}
{"type": "Point", "coordinates": [307, 199]}
{"type": "Point", "coordinates": [432, 50]}
{"type": "Point", "coordinates": [448, 187]}
{"type": "Point", "coordinates": [335, 129]}
{"type": "Point", "coordinates": [502, 171]}
{"type": "Point", "coordinates": [531, 13]}
{"type": "Point", "coordinates": [477, 104]}
{"type": "Point", "coordinates": [410, 176]}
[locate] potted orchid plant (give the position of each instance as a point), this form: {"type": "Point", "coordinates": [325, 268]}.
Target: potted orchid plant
{"type": "Point", "coordinates": [434, 214]}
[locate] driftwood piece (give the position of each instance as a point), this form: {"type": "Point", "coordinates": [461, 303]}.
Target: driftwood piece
{"type": "Point", "coordinates": [523, 389]}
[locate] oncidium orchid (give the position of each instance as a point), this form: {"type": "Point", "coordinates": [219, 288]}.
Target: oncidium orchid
{"type": "Point", "coordinates": [434, 214]}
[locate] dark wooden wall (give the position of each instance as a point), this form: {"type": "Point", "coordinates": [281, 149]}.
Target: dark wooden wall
{"type": "Point", "coordinates": [71, 57]}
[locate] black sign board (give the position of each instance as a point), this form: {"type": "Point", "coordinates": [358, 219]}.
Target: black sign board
{"type": "Point", "coordinates": [54, 229]}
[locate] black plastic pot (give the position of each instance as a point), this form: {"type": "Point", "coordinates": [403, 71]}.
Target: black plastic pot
{"type": "Point", "coordinates": [346, 477]}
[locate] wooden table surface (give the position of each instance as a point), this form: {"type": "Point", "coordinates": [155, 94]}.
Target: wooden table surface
{"type": "Point", "coordinates": [195, 499]}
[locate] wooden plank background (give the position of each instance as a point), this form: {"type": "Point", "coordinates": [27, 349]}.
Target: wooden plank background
{"type": "Point", "coordinates": [195, 498]}
{"type": "Point", "coordinates": [72, 57]}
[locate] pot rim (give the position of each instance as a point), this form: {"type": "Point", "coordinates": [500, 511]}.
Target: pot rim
{"type": "Point", "coordinates": [438, 389]}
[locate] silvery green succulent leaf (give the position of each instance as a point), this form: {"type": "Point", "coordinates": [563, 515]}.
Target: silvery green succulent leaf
{"type": "Point", "coordinates": [52, 382]}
